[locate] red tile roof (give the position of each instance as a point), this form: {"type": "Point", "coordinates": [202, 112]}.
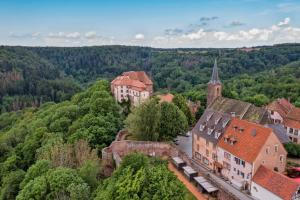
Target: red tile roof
{"type": "Point", "coordinates": [276, 183]}
{"type": "Point", "coordinates": [282, 106]}
{"type": "Point", "coordinates": [293, 118]}
{"type": "Point", "coordinates": [138, 75]}
{"type": "Point", "coordinates": [166, 97]}
{"type": "Point", "coordinates": [125, 80]}
{"type": "Point", "coordinates": [248, 142]}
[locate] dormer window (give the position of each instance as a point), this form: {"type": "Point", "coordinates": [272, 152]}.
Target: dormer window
{"type": "Point", "coordinates": [225, 123]}
{"type": "Point", "coordinates": [233, 114]}
{"type": "Point", "coordinates": [209, 116]}
{"type": "Point", "coordinates": [201, 128]}
{"type": "Point", "coordinates": [217, 120]}
{"type": "Point", "coordinates": [209, 132]}
{"type": "Point", "coordinates": [217, 134]}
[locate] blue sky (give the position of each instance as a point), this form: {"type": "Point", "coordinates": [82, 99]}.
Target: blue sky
{"type": "Point", "coordinates": [157, 23]}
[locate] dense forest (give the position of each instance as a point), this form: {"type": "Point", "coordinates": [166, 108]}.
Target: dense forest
{"type": "Point", "coordinates": [53, 152]}
{"type": "Point", "coordinates": [31, 76]}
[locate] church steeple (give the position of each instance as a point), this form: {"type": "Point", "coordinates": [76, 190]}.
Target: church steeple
{"type": "Point", "coordinates": [214, 87]}
{"type": "Point", "coordinates": [215, 75]}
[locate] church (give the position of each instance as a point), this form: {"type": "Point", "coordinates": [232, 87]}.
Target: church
{"type": "Point", "coordinates": [217, 116]}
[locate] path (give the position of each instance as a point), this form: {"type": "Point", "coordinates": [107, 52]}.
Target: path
{"type": "Point", "coordinates": [226, 186]}
{"type": "Point", "coordinates": [192, 188]}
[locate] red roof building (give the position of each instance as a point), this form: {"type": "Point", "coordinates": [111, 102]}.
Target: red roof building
{"type": "Point", "coordinates": [245, 146]}
{"type": "Point", "coordinates": [133, 86]}
{"type": "Point", "coordinates": [268, 184]}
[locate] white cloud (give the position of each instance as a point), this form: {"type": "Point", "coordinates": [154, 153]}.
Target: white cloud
{"type": "Point", "coordinates": [195, 36]}
{"type": "Point", "coordinates": [91, 35]}
{"type": "Point", "coordinates": [281, 32]}
{"type": "Point", "coordinates": [285, 22]}
{"type": "Point", "coordinates": [63, 35]}
{"type": "Point", "coordinates": [139, 36]}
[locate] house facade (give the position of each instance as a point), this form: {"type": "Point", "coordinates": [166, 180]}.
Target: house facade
{"type": "Point", "coordinates": [133, 86]}
{"type": "Point", "coordinates": [206, 134]}
{"type": "Point", "coordinates": [292, 125]}
{"type": "Point", "coordinates": [244, 147]}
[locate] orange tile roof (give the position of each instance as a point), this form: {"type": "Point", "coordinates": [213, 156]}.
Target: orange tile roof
{"type": "Point", "coordinates": [282, 106]}
{"type": "Point", "coordinates": [166, 97]}
{"type": "Point", "coordinates": [293, 118]}
{"type": "Point", "coordinates": [248, 143]}
{"type": "Point", "coordinates": [125, 80]}
{"type": "Point", "coordinates": [276, 183]}
{"type": "Point", "coordinates": [291, 123]}
{"type": "Point", "coordinates": [138, 75]}
{"type": "Point", "coordinates": [294, 114]}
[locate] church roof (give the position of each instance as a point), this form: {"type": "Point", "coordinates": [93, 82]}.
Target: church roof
{"type": "Point", "coordinates": [215, 75]}
{"type": "Point", "coordinates": [240, 109]}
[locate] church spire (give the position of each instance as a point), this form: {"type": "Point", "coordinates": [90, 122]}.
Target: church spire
{"type": "Point", "coordinates": [215, 75]}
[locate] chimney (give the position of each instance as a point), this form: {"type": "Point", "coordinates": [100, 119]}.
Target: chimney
{"type": "Point", "coordinates": [254, 133]}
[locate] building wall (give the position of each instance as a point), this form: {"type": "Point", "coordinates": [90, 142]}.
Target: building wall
{"type": "Point", "coordinates": [275, 117]}
{"type": "Point", "coordinates": [123, 92]}
{"type": "Point", "coordinates": [240, 175]}
{"type": "Point", "coordinates": [261, 193]}
{"type": "Point", "coordinates": [271, 159]}
{"type": "Point", "coordinates": [204, 151]}
{"type": "Point", "coordinates": [213, 91]}
{"type": "Point", "coordinates": [294, 134]}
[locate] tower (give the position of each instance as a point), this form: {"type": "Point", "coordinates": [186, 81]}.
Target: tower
{"type": "Point", "coordinates": [214, 86]}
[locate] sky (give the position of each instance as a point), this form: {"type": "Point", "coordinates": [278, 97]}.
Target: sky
{"type": "Point", "coordinates": [154, 23]}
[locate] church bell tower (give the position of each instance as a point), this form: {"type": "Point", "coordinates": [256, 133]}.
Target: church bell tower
{"type": "Point", "coordinates": [214, 86]}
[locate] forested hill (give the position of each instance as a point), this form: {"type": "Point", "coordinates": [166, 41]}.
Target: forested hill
{"type": "Point", "coordinates": [33, 75]}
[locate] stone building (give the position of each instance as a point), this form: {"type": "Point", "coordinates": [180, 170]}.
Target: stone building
{"type": "Point", "coordinates": [135, 86]}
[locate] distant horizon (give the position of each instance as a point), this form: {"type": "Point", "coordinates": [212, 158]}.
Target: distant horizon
{"type": "Point", "coordinates": [113, 45]}
{"type": "Point", "coordinates": [155, 23]}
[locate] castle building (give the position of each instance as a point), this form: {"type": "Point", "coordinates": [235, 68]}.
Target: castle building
{"type": "Point", "coordinates": [134, 86]}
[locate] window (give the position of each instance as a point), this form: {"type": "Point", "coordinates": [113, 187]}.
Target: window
{"type": "Point", "coordinates": [267, 150]}
{"type": "Point", "coordinates": [197, 147]}
{"type": "Point", "coordinates": [227, 155]}
{"type": "Point", "coordinates": [226, 165]}
{"type": "Point", "coordinates": [295, 140]}
{"type": "Point", "coordinates": [243, 163]}
{"type": "Point", "coordinates": [296, 132]}
{"type": "Point", "coordinates": [205, 161]}
{"type": "Point", "coordinates": [121, 91]}
{"type": "Point", "coordinates": [214, 157]}
{"type": "Point", "coordinates": [207, 153]}
{"type": "Point", "coordinates": [242, 174]}
{"type": "Point", "coordinates": [198, 155]}
{"type": "Point", "coordinates": [272, 112]}
{"type": "Point", "coordinates": [276, 148]}
{"type": "Point", "coordinates": [237, 160]}
{"type": "Point", "coordinates": [291, 130]}
{"type": "Point", "coordinates": [281, 158]}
